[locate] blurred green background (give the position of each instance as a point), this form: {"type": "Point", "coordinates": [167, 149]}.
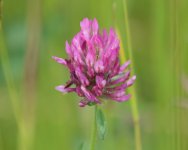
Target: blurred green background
{"type": "Point", "coordinates": [33, 116]}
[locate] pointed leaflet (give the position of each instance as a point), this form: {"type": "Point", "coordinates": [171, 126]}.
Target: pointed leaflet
{"type": "Point", "coordinates": [101, 123]}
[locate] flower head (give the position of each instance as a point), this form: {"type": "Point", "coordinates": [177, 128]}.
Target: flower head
{"type": "Point", "coordinates": [95, 70]}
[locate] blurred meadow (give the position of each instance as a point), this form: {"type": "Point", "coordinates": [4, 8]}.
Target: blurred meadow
{"type": "Point", "coordinates": [33, 116]}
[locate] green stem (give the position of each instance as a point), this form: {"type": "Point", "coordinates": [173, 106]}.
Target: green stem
{"type": "Point", "coordinates": [10, 83]}
{"type": "Point", "coordinates": [177, 69]}
{"type": "Point", "coordinates": [94, 131]}
{"type": "Point", "coordinates": [134, 105]}
{"type": "Point", "coordinates": [6, 67]}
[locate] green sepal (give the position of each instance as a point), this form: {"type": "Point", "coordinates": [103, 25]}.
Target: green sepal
{"type": "Point", "coordinates": [91, 103]}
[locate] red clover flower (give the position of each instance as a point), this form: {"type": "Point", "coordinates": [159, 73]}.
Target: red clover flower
{"type": "Point", "coordinates": [94, 66]}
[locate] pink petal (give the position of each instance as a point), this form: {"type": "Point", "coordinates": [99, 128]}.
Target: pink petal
{"type": "Point", "coordinates": [122, 98]}
{"type": "Point", "coordinates": [99, 67]}
{"type": "Point", "coordinates": [79, 91]}
{"type": "Point", "coordinates": [121, 87]}
{"type": "Point", "coordinates": [100, 81]}
{"type": "Point", "coordinates": [116, 94]}
{"type": "Point", "coordinates": [124, 66]}
{"type": "Point", "coordinates": [104, 37]}
{"type": "Point", "coordinates": [83, 103]}
{"type": "Point", "coordinates": [77, 58]}
{"type": "Point", "coordinates": [97, 91]}
{"type": "Point", "coordinates": [62, 89]}
{"type": "Point", "coordinates": [76, 44]}
{"type": "Point", "coordinates": [82, 78]}
{"type": "Point", "coordinates": [68, 49]}
{"type": "Point", "coordinates": [95, 27]}
{"type": "Point", "coordinates": [131, 81]}
{"type": "Point", "coordinates": [59, 60]}
{"type": "Point", "coordinates": [89, 95]}
{"type": "Point", "coordinates": [90, 72]}
{"type": "Point", "coordinates": [90, 57]}
{"type": "Point", "coordinates": [115, 68]}
{"type": "Point", "coordinates": [120, 79]}
{"type": "Point", "coordinates": [86, 27]}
